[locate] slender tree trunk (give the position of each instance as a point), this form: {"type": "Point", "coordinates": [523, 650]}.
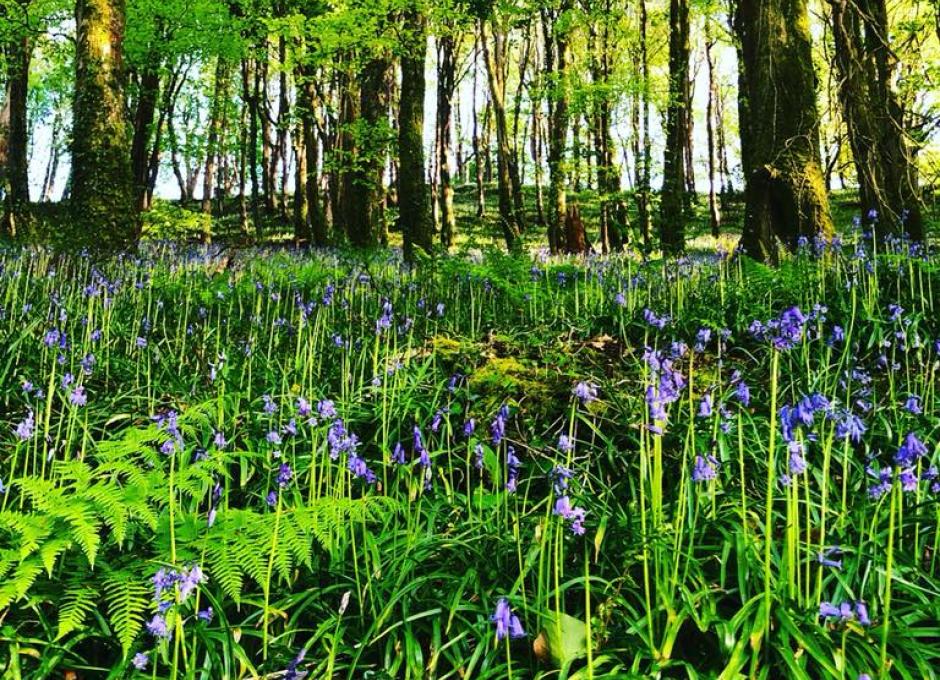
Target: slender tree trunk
{"type": "Point", "coordinates": [55, 152]}
{"type": "Point", "coordinates": [477, 146]}
{"type": "Point", "coordinates": [672, 206]}
{"type": "Point", "coordinates": [714, 217]}
{"type": "Point", "coordinates": [219, 95]}
{"type": "Point", "coordinates": [645, 161]}
{"type": "Point", "coordinates": [496, 59]}
{"type": "Point", "coordinates": [446, 83]}
{"type": "Point", "coordinates": [102, 182]}
{"type": "Point", "coordinates": [413, 210]}
{"type": "Point", "coordinates": [252, 97]}
{"type": "Point", "coordinates": [143, 128]}
{"type": "Point", "coordinates": [556, 63]}
{"type": "Point", "coordinates": [785, 193]}
{"type": "Point", "coordinates": [14, 136]}
{"type": "Point", "coordinates": [307, 182]}
{"type": "Point", "coordinates": [874, 118]}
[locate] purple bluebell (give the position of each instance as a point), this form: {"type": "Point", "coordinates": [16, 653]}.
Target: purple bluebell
{"type": "Point", "coordinates": [705, 406]}
{"type": "Point", "coordinates": [585, 391]}
{"type": "Point", "coordinates": [469, 427]}
{"type": "Point", "coordinates": [705, 469]}
{"type": "Point", "coordinates": [326, 409]}
{"type": "Point", "coordinates": [140, 661]}
{"type": "Point", "coordinates": [507, 623]}
{"type": "Point", "coordinates": [158, 628]}
{"type": "Point", "coordinates": [25, 428]}
{"type": "Point", "coordinates": [512, 469]}
{"type": "Point", "coordinates": [291, 673]}
{"type": "Point", "coordinates": [910, 451]}
{"type": "Point", "coordinates": [826, 557]}
{"type": "Point", "coordinates": [478, 456]}
{"type": "Point", "coordinates": [398, 454]}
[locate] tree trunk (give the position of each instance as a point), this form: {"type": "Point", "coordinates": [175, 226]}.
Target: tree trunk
{"type": "Point", "coordinates": [672, 206]}
{"type": "Point", "coordinates": [714, 217]}
{"type": "Point", "coordinates": [102, 182]}
{"type": "Point", "coordinates": [143, 128]}
{"type": "Point", "coordinates": [645, 159]}
{"type": "Point", "coordinates": [477, 146]}
{"type": "Point", "coordinates": [14, 136]}
{"type": "Point", "coordinates": [55, 152]}
{"type": "Point", "coordinates": [308, 181]}
{"type": "Point", "coordinates": [874, 118]}
{"type": "Point", "coordinates": [219, 95]}
{"type": "Point", "coordinates": [446, 83]}
{"type": "Point", "coordinates": [556, 64]}
{"type": "Point", "coordinates": [363, 188]}
{"type": "Point", "coordinates": [785, 193]}
{"type": "Point", "coordinates": [496, 59]}
{"type": "Point", "coordinates": [413, 210]}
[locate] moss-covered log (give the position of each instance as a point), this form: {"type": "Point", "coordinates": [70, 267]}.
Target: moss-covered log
{"type": "Point", "coordinates": [102, 184]}
{"type": "Point", "coordinates": [785, 197]}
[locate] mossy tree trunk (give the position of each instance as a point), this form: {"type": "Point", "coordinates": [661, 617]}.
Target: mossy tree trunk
{"type": "Point", "coordinates": [884, 161]}
{"type": "Point", "coordinates": [675, 173]}
{"type": "Point", "coordinates": [102, 185]}
{"type": "Point", "coordinates": [219, 96]}
{"type": "Point", "coordinates": [366, 142]}
{"type": "Point", "coordinates": [413, 208]}
{"type": "Point", "coordinates": [14, 136]}
{"type": "Point", "coordinates": [785, 196]}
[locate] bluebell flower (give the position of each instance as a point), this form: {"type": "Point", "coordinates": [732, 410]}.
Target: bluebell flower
{"type": "Point", "coordinates": [586, 392]}
{"type": "Point", "coordinates": [24, 430]}
{"type": "Point", "coordinates": [507, 623]}
{"type": "Point", "coordinates": [271, 498]}
{"type": "Point", "coordinates": [218, 440]}
{"type": "Point", "coordinates": [78, 397]}
{"type": "Point", "coordinates": [291, 672]}
{"type": "Point", "coordinates": [478, 454]}
{"type": "Point", "coordinates": [797, 461]}
{"type": "Point", "coordinates": [189, 580]}
{"type": "Point", "coordinates": [140, 661]}
{"type": "Point", "coordinates": [469, 427]}
{"type": "Point", "coordinates": [825, 557]}
{"type": "Point", "coordinates": [326, 409]}
{"type": "Point", "coordinates": [270, 406]}
{"type": "Point", "coordinates": [910, 451]}
{"type": "Point", "coordinates": [705, 469]}
{"type": "Point", "coordinates": [158, 628]}
{"type": "Point", "coordinates": [284, 475]}
{"type": "Point", "coordinates": [573, 514]}
{"type": "Point", "coordinates": [398, 454]}
{"type": "Point", "coordinates": [512, 469]}
{"type": "Point", "coordinates": [705, 406]}
{"type": "Point", "coordinates": [565, 445]}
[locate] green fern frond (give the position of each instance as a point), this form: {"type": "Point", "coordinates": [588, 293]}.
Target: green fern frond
{"type": "Point", "coordinates": [79, 599]}
{"type": "Point", "coordinates": [128, 601]}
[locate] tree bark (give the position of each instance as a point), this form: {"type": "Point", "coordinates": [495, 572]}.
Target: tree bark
{"type": "Point", "coordinates": [785, 193]}
{"type": "Point", "coordinates": [672, 206]}
{"type": "Point", "coordinates": [496, 58]}
{"type": "Point", "coordinates": [413, 209]}
{"type": "Point", "coordinates": [644, 161]}
{"type": "Point", "coordinates": [102, 195]}
{"type": "Point", "coordinates": [14, 136]}
{"type": "Point", "coordinates": [446, 83]}
{"type": "Point", "coordinates": [874, 118]}
{"type": "Point", "coordinates": [714, 216]}
{"type": "Point", "coordinates": [219, 95]}
{"type": "Point", "coordinates": [556, 65]}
